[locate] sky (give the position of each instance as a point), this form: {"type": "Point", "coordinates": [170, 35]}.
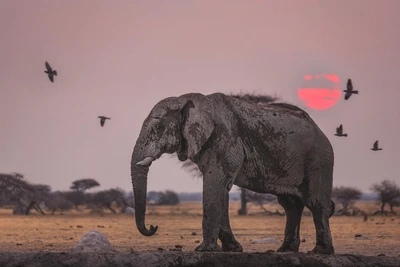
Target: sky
{"type": "Point", "coordinates": [119, 58]}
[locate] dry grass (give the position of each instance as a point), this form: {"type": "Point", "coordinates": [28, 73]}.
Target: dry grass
{"type": "Point", "coordinates": [176, 224]}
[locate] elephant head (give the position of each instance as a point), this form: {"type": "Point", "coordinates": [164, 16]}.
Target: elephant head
{"type": "Point", "coordinates": [176, 124]}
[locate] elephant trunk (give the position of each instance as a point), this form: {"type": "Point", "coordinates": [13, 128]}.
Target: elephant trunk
{"type": "Point", "coordinates": [139, 182]}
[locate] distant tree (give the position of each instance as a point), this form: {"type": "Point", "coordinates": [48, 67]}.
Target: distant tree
{"type": "Point", "coordinates": [88, 198]}
{"type": "Point", "coordinates": [58, 201]}
{"type": "Point", "coordinates": [42, 189]}
{"type": "Point", "coordinates": [168, 198]}
{"type": "Point", "coordinates": [260, 199]}
{"type": "Point", "coordinates": [84, 184]}
{"type": "Point", "coordinates": [388, 193]}
{"type": "Point", "coordinates": [32, 200]}
{"type": "Point", "coordinates": [75, 197]}
{"type": "Point", "coordinates": [346, 196]}
{"type": "Point", "coordinates": [14, 184]}
{"type": "Point", "coordinates": [41, 192]}
{"type": "Point", "coordinates": [105, 199]}
{"type": "Point", "coordinates": [15, 190]}
{"type": "Point", "coordinates": [153, 197]}
{"type": "Point", "coordinates": [129, 199]}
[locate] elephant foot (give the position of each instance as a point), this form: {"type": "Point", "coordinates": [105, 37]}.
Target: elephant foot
{"type": "Point", "coordinates": [288, 247]}
{"type": "Point", "coordinates": [234, 247]}
{"type": "Point", "coordinates": [321, 249]}
{"type": "Point", "coordinates": [210, 247]}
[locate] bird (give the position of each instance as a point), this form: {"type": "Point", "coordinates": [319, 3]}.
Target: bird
{"type": "Point", "coordinates": [375, 146]}
{"type": "Point", "coordinates": [50, 72]}
{"type": "Point", "coordinates": [349, 90]}
{"type": "Point", "coordinates": [339, 131]}
{"type": "Point", "coordinates": [103, 120]}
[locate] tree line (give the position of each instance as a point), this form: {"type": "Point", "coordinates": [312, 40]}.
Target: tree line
{"type": "Point", "coordinates": [22, 196]}
{"type": "Point", "coordinates": [387, 192]}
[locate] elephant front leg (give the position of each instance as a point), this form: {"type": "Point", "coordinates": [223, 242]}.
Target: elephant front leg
{"type": "Point", "coordinates": [219, 173]}
{"type": "Point", "coordinates": [229, 243]}
{"type": "Point", "coordinates": [213, 198]}
{"type": "Point", "coordinates": [293, 208]}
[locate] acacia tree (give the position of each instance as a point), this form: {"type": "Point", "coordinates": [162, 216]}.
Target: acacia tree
{"type": "Point", "coordinates": [168, 198]}
{"type": "Point", "coordinates": [14, 184]}
{"type": "Point", "coordinates": [105, 199]}
{"type": "Point", "coordinates": [346, 196]}
{"type": "Point", "coordinates": [41, 192]}
{"type": "Point", "coordinates": [14, 189]}
{"type": "Point", "coordinates": [77, 196]}
{"type": "Point", "coordinates": [258, 99]}
{"type": "Point", "coordinates": [388, 193]}
{"type": "Point", "coordinates": [84, 184]}
{"type": "Point", "coordinates": [260, 199]}
{"type": "Point", "coordinates": [58, 201]}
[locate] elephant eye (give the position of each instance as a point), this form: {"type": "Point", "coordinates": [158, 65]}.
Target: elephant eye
{"type": "Point", "coordinates": [159, 127]}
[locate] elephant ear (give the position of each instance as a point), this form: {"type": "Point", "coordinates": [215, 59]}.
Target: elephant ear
{"type": "Point", "coordinates": [197, 123]}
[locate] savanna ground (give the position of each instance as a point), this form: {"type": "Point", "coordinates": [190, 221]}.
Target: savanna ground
{"type": "Point", "coordinates": [177, 223]}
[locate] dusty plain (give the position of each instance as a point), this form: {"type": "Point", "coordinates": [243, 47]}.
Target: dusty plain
{"type": "Point", "coordinates": [181, 225]}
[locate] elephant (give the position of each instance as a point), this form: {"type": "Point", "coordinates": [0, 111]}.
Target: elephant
{"type": "Point", "coordinates": [274, 148]}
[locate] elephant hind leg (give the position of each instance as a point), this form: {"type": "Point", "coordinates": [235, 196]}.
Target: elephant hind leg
{"type": "Point", "coordinates": [293, 208]}
{"type": "Point", "coordinates": [323, 233]}
{"type": "Point", "coordinates": [316, 195]}
{"type": "Point", "coordinates": [229, 243]}
{"type": "Point", "coordinates": [317, 198]}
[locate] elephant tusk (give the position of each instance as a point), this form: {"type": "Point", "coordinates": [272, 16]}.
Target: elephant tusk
{"type": "Point", "coordinates": [146, 161]}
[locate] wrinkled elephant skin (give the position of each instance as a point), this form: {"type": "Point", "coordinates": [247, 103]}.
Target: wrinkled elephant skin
{"type": "Point", "coordinates": [276, 148]}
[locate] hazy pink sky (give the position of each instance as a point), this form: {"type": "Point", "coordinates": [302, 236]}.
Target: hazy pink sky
{"type": "Point", "coordinates": [119, 58]}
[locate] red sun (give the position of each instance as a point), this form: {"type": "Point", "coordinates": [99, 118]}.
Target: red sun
{"type": "Point", "coordinates": [320, 92]}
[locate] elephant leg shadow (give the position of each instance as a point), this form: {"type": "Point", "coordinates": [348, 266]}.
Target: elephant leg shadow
{"type": "Point", "coordinates": [293, 208]}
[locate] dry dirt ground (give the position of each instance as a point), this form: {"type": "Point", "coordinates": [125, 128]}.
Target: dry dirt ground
{"type": "Point", "coordinates": [181, 225]}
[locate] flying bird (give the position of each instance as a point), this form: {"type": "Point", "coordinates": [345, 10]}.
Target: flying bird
{"type": "Point", "coordinates": [375, 147]}
{"type": "Point", "coordinates": [103, 120]}
{"type": "Point", "coordinates": [50, 72]}
{"type": "Point", "coordinates": [349, 90]}
{"type": "Point", "coordinates": [339, 131]}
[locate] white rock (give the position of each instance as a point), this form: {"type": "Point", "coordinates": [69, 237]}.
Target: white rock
{"type": "Point", "coordinates": [130, 211]}
{"type": "Point", "coordinates": [268, 240]}
{"type": "Point", "coordinates": [93, 241]}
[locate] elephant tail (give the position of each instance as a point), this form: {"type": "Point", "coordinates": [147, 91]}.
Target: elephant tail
{"type": "Point", "coordinates": [332, 208]}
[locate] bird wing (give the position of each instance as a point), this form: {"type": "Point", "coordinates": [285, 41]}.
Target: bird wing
{"type": "Point", "coordinates": [339, 129]}
{"type": "Point", "coordinates": [349, 85]}
{"type": "Point", "coordinates": [347, 95]}
{"type": "Point", "coordinates": [376, 144]}
{"type": "Point", "coordinates": [47, 66]}
{"type": "Point", "coordinates": [51, 77]}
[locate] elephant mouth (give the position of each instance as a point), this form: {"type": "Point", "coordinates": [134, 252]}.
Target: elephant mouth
{"type": "Point", "coordinates": [146, 161]}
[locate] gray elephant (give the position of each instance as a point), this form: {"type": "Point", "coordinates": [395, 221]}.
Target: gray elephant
{"type": "Point", "coordinates": [276, 148]}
